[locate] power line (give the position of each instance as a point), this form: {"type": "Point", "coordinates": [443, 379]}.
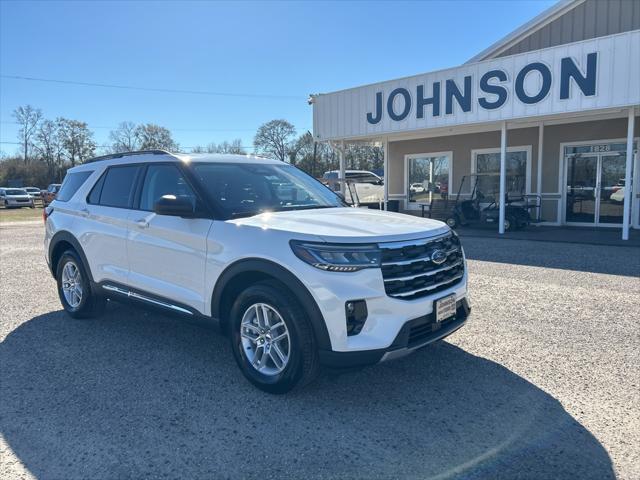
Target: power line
{"type": "Point", "coordinates": [229, 130]}
{"type": "Point", "coordinates": [162, 90]}
{"type": "Point", "coordinates": [109, 146]}
{"type": "Point", "coordinates": [172, 129]}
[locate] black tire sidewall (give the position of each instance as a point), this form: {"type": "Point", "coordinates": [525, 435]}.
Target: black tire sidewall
{"type": "Point", "coordinates": [511, 225]}
{"type": "Point", "coordinates": [85, 306]}
{"type": "Point", "coordinates": [290, 311]}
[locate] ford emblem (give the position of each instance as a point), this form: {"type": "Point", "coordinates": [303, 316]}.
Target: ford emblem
{"type": "Point", "coordinates": [438, 257]}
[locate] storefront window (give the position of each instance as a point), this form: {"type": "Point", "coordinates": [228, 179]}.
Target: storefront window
{"type": "Point", "coordinates": [489, 163]}
{"type": "Point", "coordinates": [428, 178]}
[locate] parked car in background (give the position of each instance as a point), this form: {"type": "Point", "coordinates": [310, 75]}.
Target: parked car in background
{"type": "Point", "coordinates": [617, 194]}
{"type": "Point", "coordinates": [366, 185]}
{"type": "Point", "coordinates": [15, 198]}
{"type": "Point", "coordinates": [416, 188]}
{"type": "Point", "coordinates": [50, 193]}
{"type": "Point", "coordinates": [34, 193]}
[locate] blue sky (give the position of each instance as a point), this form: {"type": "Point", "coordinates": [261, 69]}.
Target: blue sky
{"type": "Point", "coordinates": [278, 49]}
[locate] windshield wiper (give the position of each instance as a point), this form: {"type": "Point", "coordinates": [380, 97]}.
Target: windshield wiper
{"type": "Point", "coordinates": [303, 207]}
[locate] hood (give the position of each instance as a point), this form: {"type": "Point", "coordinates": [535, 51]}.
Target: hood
{"type": "Point", "coordinates": [347, 224]}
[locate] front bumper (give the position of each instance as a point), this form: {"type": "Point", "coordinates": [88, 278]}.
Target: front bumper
{"type": "Point", "coordinates": [413, 335]}
{"type": "Point", "coordinates": [15, 203]}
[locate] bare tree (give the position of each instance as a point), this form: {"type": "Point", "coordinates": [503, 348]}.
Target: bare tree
{"type": "Point", "coordinates": [48, 143]}
{"type": "Point", "coordinates": [28, 119]}
{"type": "Point", "coordinates": [233, 147]}
{"type": "Point", "coordinates": [123, 138]}
{"type": "Point", "coordinates": [275, 139]}
{"type": "Point", "coordinates": [150, 137]}
{"type": "Point", "coordinates": [77, 140]}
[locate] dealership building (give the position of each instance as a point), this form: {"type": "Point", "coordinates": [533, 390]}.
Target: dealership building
{"type": "Point", "coordinates": [551, 110]}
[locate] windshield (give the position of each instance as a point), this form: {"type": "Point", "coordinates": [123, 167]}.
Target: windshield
{"type": "Point", "coordinates": [241, 190]}
{"type": "Point", "coordinates": [15, 192]}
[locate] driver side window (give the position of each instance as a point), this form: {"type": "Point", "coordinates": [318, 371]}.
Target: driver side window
{"type": "Point", "coordinates": [164, 180]}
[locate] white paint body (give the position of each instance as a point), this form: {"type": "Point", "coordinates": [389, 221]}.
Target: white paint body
{"type": "Point", "coordinates": [181, 259]}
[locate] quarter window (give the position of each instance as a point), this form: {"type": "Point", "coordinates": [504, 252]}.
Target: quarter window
{"type": "Point", "coordinates": [164, 180]}
{"type": "Point", "coordinates": [72, 182]}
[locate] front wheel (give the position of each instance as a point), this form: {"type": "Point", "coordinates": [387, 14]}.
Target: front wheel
{"type": "Point", "coordinates": [272, 339]}
{"type": "Point", "coordinates": [509, 224]}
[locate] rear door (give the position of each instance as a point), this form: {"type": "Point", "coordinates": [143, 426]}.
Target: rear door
{"type": "Point", "coordinates": [167, 254]}
{"type": "Point", "coordinates": [102, 230]}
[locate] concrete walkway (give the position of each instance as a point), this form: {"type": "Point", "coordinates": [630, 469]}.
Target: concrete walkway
{"type": "Point", "coordinates": [584, 235]}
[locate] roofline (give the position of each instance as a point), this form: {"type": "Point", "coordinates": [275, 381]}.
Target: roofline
{"type": "Point", "coordinates": [128, 154]}
{"type": "Point", "coordinates": [533, 25]}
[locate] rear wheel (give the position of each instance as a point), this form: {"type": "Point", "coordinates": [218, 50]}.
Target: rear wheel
{"type": "Point", "coordinates": [74, 288]}
{"type": "Point", "coordinates": [452, 222]}
{"type": "Point", "coordinates": [271, 338]}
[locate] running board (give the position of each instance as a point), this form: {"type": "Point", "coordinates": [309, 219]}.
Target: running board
{"type": "Point", "coordinates": [137, 296]}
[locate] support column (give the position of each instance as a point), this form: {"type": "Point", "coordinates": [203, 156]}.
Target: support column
{"type": "Point", "coordinates": [503, 172]}
{"type": "Point", "coordinates": [540, 159]}
{"type": "Point", "coordinates": [385, 166]}
{"type": "Point", "coordinates": [342, 179]}
{"type": "Point", "coordinates": [627, 177]}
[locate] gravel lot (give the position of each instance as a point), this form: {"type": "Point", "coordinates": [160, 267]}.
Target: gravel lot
{"type": "Point", "coordinates": [542, 383]}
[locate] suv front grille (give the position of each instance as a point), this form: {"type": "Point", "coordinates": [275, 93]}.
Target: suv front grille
{"type": "Point", "coordinates": [409, 272]}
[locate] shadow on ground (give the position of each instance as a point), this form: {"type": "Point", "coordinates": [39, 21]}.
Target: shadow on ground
{"type": "Point", "coordinates": [143, 395]}
{"type": "Point", "coordinates": [612, 260]}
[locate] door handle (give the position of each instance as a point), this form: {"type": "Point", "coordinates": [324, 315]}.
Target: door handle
{"type": "Point", "coordinates": [84, 212]}
{"type": "Point", "coordinates": [142, 223]}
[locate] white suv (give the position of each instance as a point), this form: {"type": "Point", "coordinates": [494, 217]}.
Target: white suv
{"type": "Point", "coordinates": [258, 247]}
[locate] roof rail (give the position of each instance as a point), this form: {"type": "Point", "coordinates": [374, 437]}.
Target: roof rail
{"type": "Point", "coordinates": [127, 154]}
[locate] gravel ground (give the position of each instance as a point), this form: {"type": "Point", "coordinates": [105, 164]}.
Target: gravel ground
{"type": "Point", "coordinates": [542, 383]}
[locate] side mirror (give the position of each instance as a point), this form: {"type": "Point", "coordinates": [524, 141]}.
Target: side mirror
{"type": "Point", "coordinates": [174, 206]}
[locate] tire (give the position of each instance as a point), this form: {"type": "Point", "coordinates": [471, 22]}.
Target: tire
{"type": "Point", "coordinates": [452, 222]}
{"type": "Point", "coordinates": [250, 339]}
{"type": "Point", "coordinates": [90, 304]}
{"type": "Point", "coordinates": [509, 224]}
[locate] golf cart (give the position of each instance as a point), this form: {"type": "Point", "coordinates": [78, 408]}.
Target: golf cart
{"type": "Point", "coordinates": [476, 202]}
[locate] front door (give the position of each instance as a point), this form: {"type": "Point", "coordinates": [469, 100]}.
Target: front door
{"type": "Point", "coordinates": [167, 254]}
{"type": "Point", "coordinates": [582, 181]}
{"type": "Point", "coordinates": [611, 200]}
{"type": "Point", "coordinates": [595, 188]}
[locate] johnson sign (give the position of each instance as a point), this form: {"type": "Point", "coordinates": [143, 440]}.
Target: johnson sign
{"type": "Point", "coordinates": [495, 87]}
{"type": "Point", "coordinates": [591, 75]}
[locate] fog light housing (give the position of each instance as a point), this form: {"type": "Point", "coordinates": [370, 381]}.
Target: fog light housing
{"type": "Point", "coordinates": [356, 315]}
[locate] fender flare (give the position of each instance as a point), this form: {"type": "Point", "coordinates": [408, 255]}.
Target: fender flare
{"type": "Point", "coordinates": [282, 275]}
{"type": "Point", "coordinates": [64, 236]}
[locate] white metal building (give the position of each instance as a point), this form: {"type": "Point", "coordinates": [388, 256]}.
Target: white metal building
{"type": "Point", "coordinates": [555, 103]}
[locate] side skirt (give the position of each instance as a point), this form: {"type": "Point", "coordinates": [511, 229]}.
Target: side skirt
{"type": "Point", "coordinates": [122, 293]}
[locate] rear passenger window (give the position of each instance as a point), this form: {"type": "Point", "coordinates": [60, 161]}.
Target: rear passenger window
{"type": "Point", "coordinates": [117, 188]}
{"type": "Point", "coordinates": [72, 182]}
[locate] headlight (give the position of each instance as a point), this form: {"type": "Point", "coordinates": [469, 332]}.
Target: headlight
{"type": "Point", "coordinates": [337, 257]}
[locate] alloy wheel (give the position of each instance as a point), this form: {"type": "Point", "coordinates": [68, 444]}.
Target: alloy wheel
{"type": "Point", "coordinates": [72, 284]}
{"type": "Point", "coordinates": [265, 339]}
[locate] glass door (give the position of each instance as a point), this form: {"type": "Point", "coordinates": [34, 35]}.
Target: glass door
{"type": "Point", "coordinates": [582, 179]}
{"type": "Point", "coordinates": [611, 201]}
{"type": "Point", "coordinates": [427, 179]}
